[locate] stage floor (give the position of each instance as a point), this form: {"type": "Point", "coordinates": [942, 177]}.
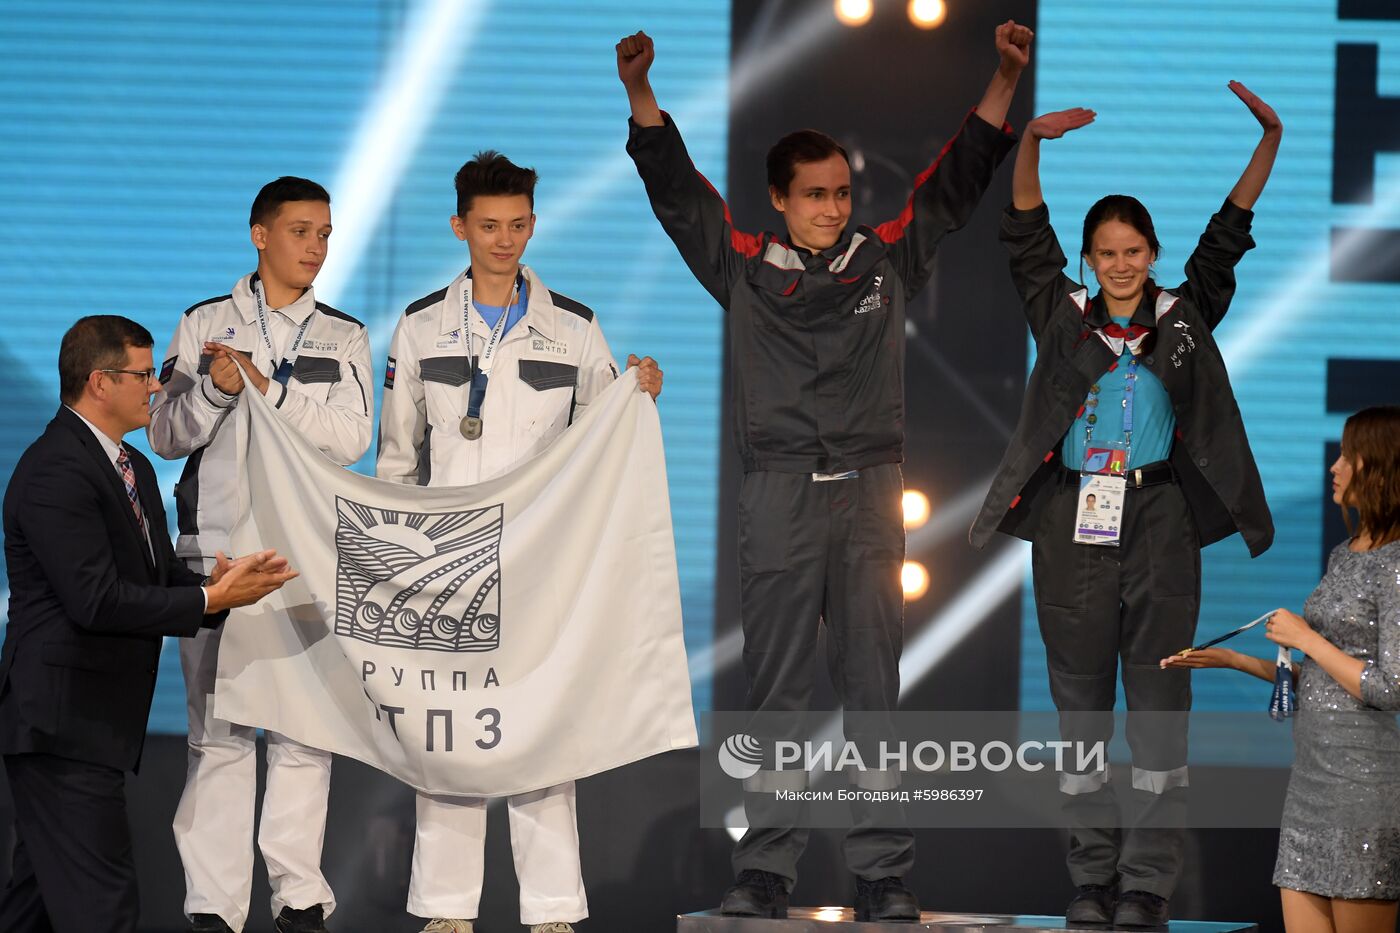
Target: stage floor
{"type": "Point", "coordinates": [832, 919]}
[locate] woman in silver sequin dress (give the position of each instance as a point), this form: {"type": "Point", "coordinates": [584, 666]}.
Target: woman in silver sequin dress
{"type": "Point", "coordinates": [1338, 865]}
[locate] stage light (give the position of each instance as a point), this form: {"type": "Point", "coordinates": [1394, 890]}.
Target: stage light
{"type": "Point", "coordinates": [915, 580]}
{"type": "Point", "coordinates": [916, 509]}
{"type": "Point", "coordinates": [927, 14]}
{"type": "Point", "coordinates": [854, 12]}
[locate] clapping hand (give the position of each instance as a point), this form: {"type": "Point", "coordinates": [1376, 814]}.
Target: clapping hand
{"type": "Point", "coordinates": [245, 580]}
{"type": "Point", "coordinates": [231, 368]}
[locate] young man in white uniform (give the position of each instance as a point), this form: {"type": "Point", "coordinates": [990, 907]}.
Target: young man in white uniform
{"type": "Point", "coordinates": [483, 374]}
{"type": "Point", "coordinates": [313, 363]}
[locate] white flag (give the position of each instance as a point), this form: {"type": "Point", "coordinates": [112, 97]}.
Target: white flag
{"type": "Point", "coordinates": [477, 640]}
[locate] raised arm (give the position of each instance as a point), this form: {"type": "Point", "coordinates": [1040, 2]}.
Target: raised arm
{"type": "Point", "coordinates": [1037, 262]}
{"type": "Point", "coordinates": [1014, 48]}
{"type": "Point", "coordinates": [1256, 173]}
{"type": "Point", "coordinates": [689, 208]}
{"type": "Point", "coordinates": [1025, 181]}
{"type": "Point", "coordinates": [635, 53]}
{"type": "Point", "coordinates": [947, 192]}
{"type": "Point", "coordinates": [1210, 270]}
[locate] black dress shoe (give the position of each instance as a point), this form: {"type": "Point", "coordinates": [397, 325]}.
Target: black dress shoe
{"type": "Point", "coordinates": [756, 893]}
{"type": "Point", "coordinates": [308, 920]}
{"type": "Point", "coordinates": [208, 923]}
{"type": "Point", "coordinates": [1141, 909]}
{"type": "Point", "coordinates": [1093, 904]}
{"type": "Point", "coordinates": [885, 899]}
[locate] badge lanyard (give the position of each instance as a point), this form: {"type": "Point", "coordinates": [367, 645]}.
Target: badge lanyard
{"type": "Point", "coordinates": [1092, 404]}
{"type": "Point", "coordinates": [283, 370]}
{"type": "Point", "coordinates": [1102, 488]}
{"type": "Point", "coordinates": [471, 425]}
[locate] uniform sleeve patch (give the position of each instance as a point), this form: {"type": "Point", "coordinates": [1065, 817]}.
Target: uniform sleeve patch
{"type": "Point", "coordinates": [389, 374]}
{"type": "Point", "coordinates": [168, 369]}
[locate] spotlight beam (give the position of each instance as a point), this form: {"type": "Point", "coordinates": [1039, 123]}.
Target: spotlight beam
{"type": "Point", "coordinates": [430, 46]}
{"type": "Point", "coordinates": [1269, 324]}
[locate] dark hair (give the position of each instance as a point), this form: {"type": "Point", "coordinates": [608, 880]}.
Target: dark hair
{"type": "Point", "coordinates": [1371, 441]}
{"type": "Point", "coordinates": [491, 173]}
{"type": "Point", "coordinates": [1125, 209]}
{"type": "Point", "coordinates": [98, 341]}
{"type": "Point", "coordinates": [276, 193]}
{"type": "Point", "coordinates": [795, 148]}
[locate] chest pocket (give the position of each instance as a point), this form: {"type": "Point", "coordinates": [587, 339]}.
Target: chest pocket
{"type": "Point", "coordinates": [542, 375]}
{"type": "Point", "coordinates": [454, 371]}
{"type": "Point", "coordinates": [445, 389]}
{"type": "Point", "coordinates": [310, 370]}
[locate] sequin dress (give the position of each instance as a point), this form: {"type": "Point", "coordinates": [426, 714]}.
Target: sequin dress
{"type": "Point", "coordinates": [1340, 834]}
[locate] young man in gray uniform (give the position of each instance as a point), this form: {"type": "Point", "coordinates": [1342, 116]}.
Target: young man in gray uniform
{"type": "Point", "coordinates": [312, 362]}
{"type": "Point", "coordinates": [817, 324]}
{"type": "Point", "coordinates": [482, 375]}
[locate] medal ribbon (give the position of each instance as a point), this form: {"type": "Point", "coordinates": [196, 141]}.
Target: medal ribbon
{"type": "Point", "coordinates": [481, 372]}
{"type": "Point", "coordinates": [281, 371]}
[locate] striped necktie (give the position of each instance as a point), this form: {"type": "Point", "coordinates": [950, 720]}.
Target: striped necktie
{"type": "Point", "coordinates": [129, 478]}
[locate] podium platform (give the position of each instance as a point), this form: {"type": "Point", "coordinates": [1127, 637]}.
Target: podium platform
{"type": "Point", "coordinates": [841, 920]}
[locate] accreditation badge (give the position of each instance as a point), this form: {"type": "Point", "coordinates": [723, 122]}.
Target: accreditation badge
{"type": "Point", "coordinates": [1102, 492]}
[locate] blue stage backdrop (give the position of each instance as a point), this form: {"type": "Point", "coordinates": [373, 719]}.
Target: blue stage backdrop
{"type": "Point", "coordinates": [134, 136]}
{"type": "Point", "coordinates": [1313, 332]}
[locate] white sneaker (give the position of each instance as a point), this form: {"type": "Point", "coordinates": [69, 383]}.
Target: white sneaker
{"type": "Point", "coordinates": [448, 926]}
{"type": "Point", "coordinates": [555, 927]}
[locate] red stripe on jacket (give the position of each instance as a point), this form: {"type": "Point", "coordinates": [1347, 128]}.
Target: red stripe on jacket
{"type": "Point", "coordinates": [892, 230]}
{"type": "Point", "coordinates": [741, 242]}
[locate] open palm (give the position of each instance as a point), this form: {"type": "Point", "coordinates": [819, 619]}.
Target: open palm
{"type": "Point", "coordinates": [1054, 125]}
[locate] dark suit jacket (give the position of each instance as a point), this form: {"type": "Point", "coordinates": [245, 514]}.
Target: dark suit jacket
{"type": "Point", "coordinates": [88, 604]}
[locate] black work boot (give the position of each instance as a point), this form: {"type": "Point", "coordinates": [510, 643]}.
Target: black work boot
{"type": "Point", "coordinates": [309, 920]}
{"type": "Point", "coordinates": [208, 923]}
{"type": "Point", "coordinates": [756, 893]}
{"type": "Point", "coordinates": [1141, 909]}
{"type": "Point", "coordinates": [1093, 904]}
{"type": "Point", "coordinates": [885, 899]}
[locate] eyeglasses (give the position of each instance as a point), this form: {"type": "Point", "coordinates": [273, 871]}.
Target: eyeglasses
{"type": "Point", "coordinates": [146, 374]}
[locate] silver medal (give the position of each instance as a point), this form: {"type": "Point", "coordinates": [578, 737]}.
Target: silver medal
{"type": "Point", "coordinates": [471, 428]}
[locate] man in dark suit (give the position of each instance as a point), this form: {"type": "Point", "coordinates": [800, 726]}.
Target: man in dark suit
{"type": "Point", "coordinates": [94, 585]}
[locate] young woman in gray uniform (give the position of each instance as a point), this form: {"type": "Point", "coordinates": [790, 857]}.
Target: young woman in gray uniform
{"type": "Point", "coordinates": [1129, 400]}
{"type": "Point", "coordinates": [1339, 847]}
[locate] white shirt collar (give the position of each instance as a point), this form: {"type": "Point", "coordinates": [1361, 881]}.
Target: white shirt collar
{"type": "Point", "coordinates": [111, 447]}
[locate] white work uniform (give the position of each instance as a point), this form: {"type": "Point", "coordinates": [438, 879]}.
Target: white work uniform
{"type": "Point", "coordinates": [545, 369]}
{"type": "Point", "coordinates": [327, 400]}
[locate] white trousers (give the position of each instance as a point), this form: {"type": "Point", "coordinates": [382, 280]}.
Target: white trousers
{"type": "Point", "coordinates": [214, 820]}
{"type": "Point", "coordinates": [450, 848]}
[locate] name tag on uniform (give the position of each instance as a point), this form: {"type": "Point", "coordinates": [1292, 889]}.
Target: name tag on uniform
{"type": "Point", "coordinates": [1100, 513]}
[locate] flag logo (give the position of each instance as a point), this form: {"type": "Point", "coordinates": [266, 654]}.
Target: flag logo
{"type": "Point", "coordinates": [419, 579]}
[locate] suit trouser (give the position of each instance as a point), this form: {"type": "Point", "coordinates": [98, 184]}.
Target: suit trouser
{"type": "Point", "coordinates": [214, 820]}
{"type": "Point", "coordinates": [829, 551]}
{"type": "Point", "coordinates": [73, 869]}
{"type": "Point", "coordinates": [450, 847]}
{"type": "Point", "coordinates": [1138, 602]}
